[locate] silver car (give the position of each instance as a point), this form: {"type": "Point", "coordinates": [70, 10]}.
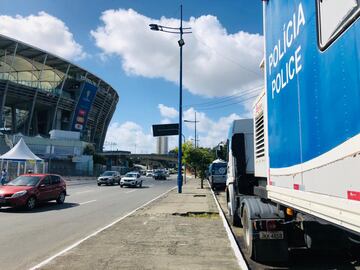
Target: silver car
{"type": "Point", "coordinates": [109, 178]}
{"type": "Point", "coordinates": [132, 179]}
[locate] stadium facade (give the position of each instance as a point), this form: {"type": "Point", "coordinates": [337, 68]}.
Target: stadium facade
{"type": "Point", "coordinates": [56, 106]}
{"type": "Point", "coordinates": [40, 92]}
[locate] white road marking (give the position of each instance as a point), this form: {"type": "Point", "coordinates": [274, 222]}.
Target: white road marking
{"type": "Point", "coordinates": [85, 191]}
{"type": "Point", "coordinates": [235, 247]}
{"type": "Point", "coordinates": [82, 203]}
{"type": "Point", "coordinates": [41, 264]}
{"type": "Point", "coordinates": [127, 192]}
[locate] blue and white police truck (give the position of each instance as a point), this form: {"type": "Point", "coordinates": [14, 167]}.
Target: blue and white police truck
{"type": "Point", "coordinates": [217, 174]}
{"type": "Point", "coordinates": [303, 188]}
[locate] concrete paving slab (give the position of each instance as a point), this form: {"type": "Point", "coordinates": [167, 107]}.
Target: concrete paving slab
{"type": "Point", "coordinates": [177, 231]}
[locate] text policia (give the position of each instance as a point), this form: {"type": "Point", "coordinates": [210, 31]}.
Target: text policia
{"type": "Point", "coordinates": [288, 71]}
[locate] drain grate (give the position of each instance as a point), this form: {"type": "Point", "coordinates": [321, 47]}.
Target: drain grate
{"type": "Point", "coordinates": [198, 214]}
{"type": "Point", "coordinates": [199, 195]}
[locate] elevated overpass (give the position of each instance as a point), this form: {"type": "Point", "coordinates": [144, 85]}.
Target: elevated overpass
{"type": "Point", "coordinates": [119, 158]}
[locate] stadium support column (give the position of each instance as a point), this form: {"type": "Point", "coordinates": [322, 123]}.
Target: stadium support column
{"type": "Point", "coordinates": [101, 112]}
{"type": "Point", "coordinates": [59, 97]}
{"type": "Point", "coordinates": [35, 96]}
{"type": "Point", "coordinates": [106, 122]}
{"type": "Point", "coordinates": [3, 98]}
{"type": "Point", "coordinates": [13, 119]}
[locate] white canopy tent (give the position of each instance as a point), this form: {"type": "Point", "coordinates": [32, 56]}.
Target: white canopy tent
{"type": "Point", "coordinates": [21, 155]}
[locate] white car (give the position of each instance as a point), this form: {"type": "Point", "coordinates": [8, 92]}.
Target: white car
{"type": "Point", "coordinates": [149, 173]}
{"type": "Point", "coordinates": [132, 179]}
{"type": "Point", "coordinates": [109, 178]}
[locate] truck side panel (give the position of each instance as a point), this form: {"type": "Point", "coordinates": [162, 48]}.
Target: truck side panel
{"type": "Point", "coordinates": [313, 101]}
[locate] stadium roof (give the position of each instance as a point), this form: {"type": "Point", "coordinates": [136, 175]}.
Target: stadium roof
{"type": "Point", "coordinates": [29, 62]}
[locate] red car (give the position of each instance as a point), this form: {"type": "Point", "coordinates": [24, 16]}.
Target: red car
{"type": "Point", "coordinates": [29, 189]}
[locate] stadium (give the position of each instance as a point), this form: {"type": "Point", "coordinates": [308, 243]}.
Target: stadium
{"type": "Point", "coordinates": [55, 105]}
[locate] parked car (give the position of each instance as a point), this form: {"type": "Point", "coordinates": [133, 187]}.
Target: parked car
{"type": "Point", "coordinates": [149, 173]}
{"type": "Point", "coordinates": [159, 175]}
{"type": "Point", "coordinates": [132, 179]}
{"type": "Point", "coordinates": [29, 189]}
{"type": "Point", "coordinates": [109, 178]}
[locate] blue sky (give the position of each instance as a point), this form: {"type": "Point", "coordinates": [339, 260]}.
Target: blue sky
{"type": "Point", "coordinates": [112, 40]}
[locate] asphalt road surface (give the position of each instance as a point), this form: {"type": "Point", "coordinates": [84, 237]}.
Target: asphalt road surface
{"type": "Point", "coordinates": [302, 259]}
{"type": "Point", "coordinates": [27, 238]}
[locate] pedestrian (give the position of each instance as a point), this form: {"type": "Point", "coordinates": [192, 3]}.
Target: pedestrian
{"type": "Point", "coordinates": [3, 176]}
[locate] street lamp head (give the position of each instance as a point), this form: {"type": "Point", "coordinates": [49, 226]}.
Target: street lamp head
{"type": "Point", "coordinates": [181, 42]}
{"type": "Point", "coordinates": [154, 27]}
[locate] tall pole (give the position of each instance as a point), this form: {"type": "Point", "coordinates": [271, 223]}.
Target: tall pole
{"type": "Point", "coordinates": [180, 110]}
{"type": "Point", "coordinates": [180, 30]}
{"type": "Point", "coordinates": [195, 132]}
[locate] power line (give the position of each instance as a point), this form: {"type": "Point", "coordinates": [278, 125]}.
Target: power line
{"type": "Point", "coordinates": [226, 99]}
{"type": "Point", "coordinates": [226, 57]}
{"type": "Point", "coordinates": [230, 104]}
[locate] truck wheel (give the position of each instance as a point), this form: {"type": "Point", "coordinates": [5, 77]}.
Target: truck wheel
{"type": "Point", "coordinates": [248, 233]}
{"type": "Point", "coordinates": [235, 219]}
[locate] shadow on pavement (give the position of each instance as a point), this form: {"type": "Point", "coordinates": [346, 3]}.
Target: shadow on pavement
{"type": "Point", "coordinates": [41, 207]}
{"type": "Point", "coordinates": [137, 187]}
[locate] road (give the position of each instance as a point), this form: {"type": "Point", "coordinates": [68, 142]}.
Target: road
{"type": "Point", "coordinates": [28, 238]}
{"type": "Point", "coordinates": [301, 259]}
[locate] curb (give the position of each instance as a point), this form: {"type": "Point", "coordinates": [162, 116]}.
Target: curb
{"type": "Point", "coordinates": [240, 258]}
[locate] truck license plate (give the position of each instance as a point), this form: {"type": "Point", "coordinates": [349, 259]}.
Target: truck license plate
{"type": "Point", "coordinates": [272, 235]}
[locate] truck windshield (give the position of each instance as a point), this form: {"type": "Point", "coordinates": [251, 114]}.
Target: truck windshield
{"type": "Point", "coordinates": [218, 169]}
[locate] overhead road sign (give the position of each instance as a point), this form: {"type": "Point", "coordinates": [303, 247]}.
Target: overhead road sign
{"type": "Point", "coordinates": [165, 130]}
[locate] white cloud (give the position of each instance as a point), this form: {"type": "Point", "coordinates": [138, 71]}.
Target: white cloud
{"type": "Point", "coordinates": [43, 31]}
{"type": "Point", "coordinates": [210, 132]}
{"type": "Point", "coordinates": [168, 112]}
{"type": "Point", "coordinates": [215, 63]}
{"type": "Point", "coordinates": [129, 136]}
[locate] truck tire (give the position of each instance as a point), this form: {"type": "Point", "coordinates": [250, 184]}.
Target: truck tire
{"type": "Point", "coordinates": [235, 220]}
{"type": "Point", "coordinates": [248, 233]}
{"type": "Point", "coordinates": [212, 186]}
{"type": "Point", "coordinates": [261, 250]}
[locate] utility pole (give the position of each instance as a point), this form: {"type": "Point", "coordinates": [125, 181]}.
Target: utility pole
{"type": "Point", "coordinates": [194, 121]}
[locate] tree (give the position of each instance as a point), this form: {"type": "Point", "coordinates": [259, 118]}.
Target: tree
{"type": "Point", "coordinates": [198, 159]}
{"type": "Point", "coordinates": [89, 150]}
{"type": "Point", "coordinates": [220, 151]}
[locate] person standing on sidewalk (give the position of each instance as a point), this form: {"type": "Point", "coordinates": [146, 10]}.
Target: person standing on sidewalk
{"type": "Point", "coordinates": [3, 176]}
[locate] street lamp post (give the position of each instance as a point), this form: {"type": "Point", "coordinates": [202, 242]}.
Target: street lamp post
{"type": "Point", "coordinates": [179, 30]}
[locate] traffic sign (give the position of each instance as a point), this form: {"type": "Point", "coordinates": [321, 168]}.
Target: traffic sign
{"type": "Point", "coordinates": [165, 130]}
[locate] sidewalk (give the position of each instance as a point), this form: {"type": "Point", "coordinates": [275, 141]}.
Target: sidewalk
{"type": "Point", "coordinates": [177, 231]}
{"type": "Point", "coordinates": [79, 180]}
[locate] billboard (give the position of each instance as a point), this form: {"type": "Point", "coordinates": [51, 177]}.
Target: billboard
{"type": "Point", "coordinates": [82, 110]}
